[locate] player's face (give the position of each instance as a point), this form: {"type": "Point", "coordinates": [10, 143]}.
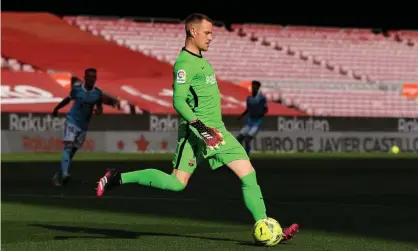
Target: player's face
{"type": "Point", "coordinates": [203, 35]}
{"type": "Point", "coordinates": [90, 79]}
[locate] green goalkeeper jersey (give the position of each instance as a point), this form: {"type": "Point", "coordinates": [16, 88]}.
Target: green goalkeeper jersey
{"type": "Point", "coordinates": [196, 92]}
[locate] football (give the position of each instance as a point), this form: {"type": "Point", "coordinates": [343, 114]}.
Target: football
{"type": "Point", "coordinates": [267, 232]}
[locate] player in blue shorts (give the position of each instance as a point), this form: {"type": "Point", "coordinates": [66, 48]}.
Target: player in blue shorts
{"type": "Point", "coordinates": [86, 97]}
{"type": "Point", "coordinates": [255, 111]}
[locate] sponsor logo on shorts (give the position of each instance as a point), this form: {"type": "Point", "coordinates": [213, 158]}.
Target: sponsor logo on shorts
{"type": "Point", "coordinates": [191, 162]}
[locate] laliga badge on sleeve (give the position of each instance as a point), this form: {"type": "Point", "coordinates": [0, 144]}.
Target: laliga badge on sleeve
{"type": "Point", "coordinates": [181, 76]}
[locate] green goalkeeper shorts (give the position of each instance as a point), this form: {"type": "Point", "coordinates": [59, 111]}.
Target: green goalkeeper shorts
{"type": "Point", "coordinates": [191, 150]}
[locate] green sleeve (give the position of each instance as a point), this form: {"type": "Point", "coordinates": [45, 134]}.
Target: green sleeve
{"type": "Point", "coordinates": [181, 86]}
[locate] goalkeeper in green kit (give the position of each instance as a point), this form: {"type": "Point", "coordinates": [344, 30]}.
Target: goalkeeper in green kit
{"type": "Point", "coordinates": [202, 133]}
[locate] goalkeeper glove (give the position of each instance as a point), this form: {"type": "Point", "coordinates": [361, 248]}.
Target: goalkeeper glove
{"type": "Point", "coordinates": [211, 136]}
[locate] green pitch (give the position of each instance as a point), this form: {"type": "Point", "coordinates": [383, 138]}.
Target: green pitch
{"type": "Point", "coordinates": [27, 227]}
{"type": "Point", "coordinates": [83, 156]}
{"type": "Point", "coordinates": [37, 216]}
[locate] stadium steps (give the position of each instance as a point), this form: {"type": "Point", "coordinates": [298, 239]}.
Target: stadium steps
{"type": "Point", "coordinates": [343, 100]}
{"type": "Point", "coordinates": [13, 64]}
{"type": "Point", "coordinates": [141, 37]}
{"type": "Point", "coordinates": [266, 34]}
{"type": "Point", "coordinates": [356, 53]}
{"type": "Point", "coordinates": [236, 58]}
{"type": "Point", "coordinates": [49, 42]}
{"type": "Point", "coordinates": [405, 37]}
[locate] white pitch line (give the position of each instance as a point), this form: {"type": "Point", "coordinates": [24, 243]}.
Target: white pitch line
{"type": "Point", "coordinates": [200, 200]}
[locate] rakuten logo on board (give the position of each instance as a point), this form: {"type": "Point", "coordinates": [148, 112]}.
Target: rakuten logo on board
{"type": "Point", "coordinates": [37, 123]}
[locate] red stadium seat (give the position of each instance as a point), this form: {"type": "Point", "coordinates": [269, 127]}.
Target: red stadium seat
{"type": "Point", "coordinates": [322, 71]}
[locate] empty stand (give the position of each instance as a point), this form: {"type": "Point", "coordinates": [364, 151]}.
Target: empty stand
{"type": "Point", "coordinates": [341, 99]}
{"type": "Point", "coordinates": [14, 65]}
{"type": "Point", "coordinates": [355, 51]}
{"type": "Point", "coordinates": [405, 37]}
{"type": "Point", "coordinates": [350, 103]}
{"type": "Point", "coordinates": [49, 42]}
{"type": "Point", "coordinates": [234, 58]}
{"type": "Point", "coordinates": [360, 54]}
{"type": "Point", "coordinates": [320, 71]}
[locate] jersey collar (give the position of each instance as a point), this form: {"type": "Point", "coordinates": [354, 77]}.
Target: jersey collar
{"type": "Point", "coordinates": [84, 88]}
{"type": "Point", "coordinates": [194, 54]}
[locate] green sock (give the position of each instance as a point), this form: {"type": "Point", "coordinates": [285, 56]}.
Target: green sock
{"type": "Point", "coordinates": [253, 197]}
{"type": "Point", "coordinates": [153, 178]}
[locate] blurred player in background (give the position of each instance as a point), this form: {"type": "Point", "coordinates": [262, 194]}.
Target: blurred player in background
{"type": "Point", "coordinates": [86, 97]}
{"type": "Point", "coordinates": [255, 111]}
{"type": "Point", "coordinates": [202, 133]}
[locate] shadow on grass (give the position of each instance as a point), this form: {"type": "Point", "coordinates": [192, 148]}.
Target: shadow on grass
{"type": "Point", "coordinates": [103, 233]}
{"type": "Point", "coordinates": [216, 196]}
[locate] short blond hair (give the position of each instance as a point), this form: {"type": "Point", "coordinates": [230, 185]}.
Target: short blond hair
{"type": "Point", "coordinates": [194, 18]}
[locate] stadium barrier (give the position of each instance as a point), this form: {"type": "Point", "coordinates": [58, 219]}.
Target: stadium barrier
{"type": "Point", "coordinates": [40, 132]}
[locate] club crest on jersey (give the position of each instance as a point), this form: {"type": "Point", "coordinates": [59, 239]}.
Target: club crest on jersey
{"type": "Point", "coordinates": [211, 79]}
{"type": "Point", "coordinates": [181, 76]}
